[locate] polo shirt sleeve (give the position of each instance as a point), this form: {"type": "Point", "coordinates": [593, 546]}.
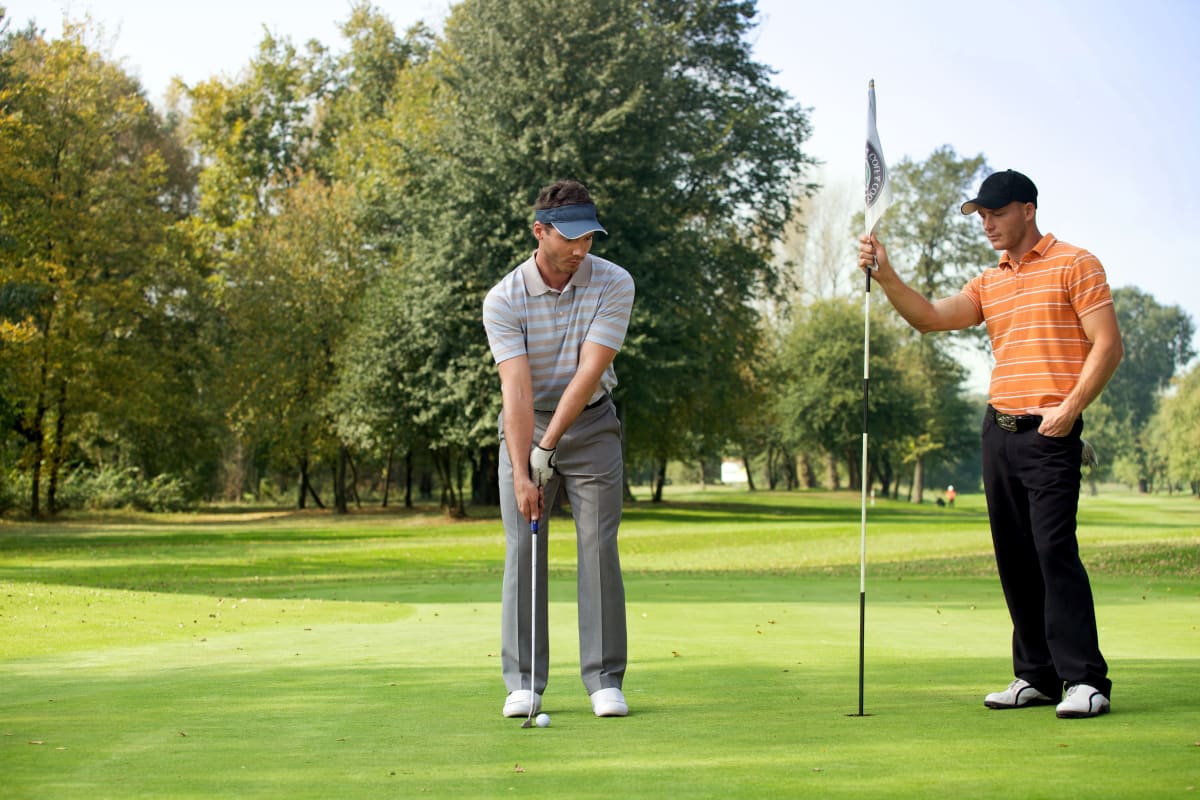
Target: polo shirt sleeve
{"type": "Point", "coordinates": [611, 322]}
{"type": "Point", "coordinates": [1088, 285]}
{"type": "Point", "coordinates": [973, 293]}
{"type": "Point", "coordinates": [505, 332]}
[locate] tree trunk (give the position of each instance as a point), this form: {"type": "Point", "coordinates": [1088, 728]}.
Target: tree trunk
{"type": "Point", "coordinates": [772, 475]}
{"type": "Point", "coordinates": [302, 496]}
{"type": "Point", "coordinates": [807, 478]}
{"type": "Point", "coordinates": [627, 491]}
{"type": "Point", "coordinates": [340, 503]}
{"type": "Point", "coordinates": [485, 480]}
{"type": "Point", "coordinates": [313, 492]}
{"type": "Point", "coordinates": [353, 479]}
{"type": "Point", "coordinates": [408, 481]}
{"type": "Point", "coordinates": [451, 496]}
{"type": "Point", "coordinates": [387, 474]}
{"type": "Point", "coordinates": [306, 487]}
{"type": "Point", "coordinates": [749, 474]}
{"type": "Point", "coordinates": [884, 474]}
{"type": "Point", "coordinates": [460, 509]}
{"type": "Point", "coordinates": [831, 471]}
{"type": "Point", "coordinates": [660, 477]}
{"type": "Point", "coordinates": [35, 472]}
{"type": "Point", "coordinates": [918, 491]}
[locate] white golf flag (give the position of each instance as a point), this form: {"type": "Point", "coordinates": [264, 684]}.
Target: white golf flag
{"type": "Point", "coordinates": [879, 186]}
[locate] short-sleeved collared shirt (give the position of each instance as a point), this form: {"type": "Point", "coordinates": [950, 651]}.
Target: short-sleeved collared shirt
{"type": "Point", "coordinates": [525, 317]}
{"type": "Point", "coordinates": [1033, 310]}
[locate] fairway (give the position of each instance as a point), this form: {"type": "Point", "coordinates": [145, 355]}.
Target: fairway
{"type": "Point", "coordinates": [293, 655]}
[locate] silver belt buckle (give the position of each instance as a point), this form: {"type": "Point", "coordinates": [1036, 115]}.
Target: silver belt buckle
{"type": "Point", "coordinates": [1006, 421]}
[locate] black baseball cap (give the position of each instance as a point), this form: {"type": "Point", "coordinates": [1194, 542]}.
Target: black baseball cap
{"type": "Point", "coordinates": [1001, 188]}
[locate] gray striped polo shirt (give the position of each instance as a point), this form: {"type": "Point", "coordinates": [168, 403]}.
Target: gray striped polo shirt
{"type": "Point", "coordinates": [524, 316]}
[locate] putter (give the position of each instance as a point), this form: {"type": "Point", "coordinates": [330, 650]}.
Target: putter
{"type": "Point", "coordinates": [528, 723]}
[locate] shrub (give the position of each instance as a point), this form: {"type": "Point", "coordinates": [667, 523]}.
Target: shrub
{"type": "Point", "coordinates": [121, 487]}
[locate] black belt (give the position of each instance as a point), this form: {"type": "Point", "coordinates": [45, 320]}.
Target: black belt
{"type": "Point", "coordinates": [1014, 423]}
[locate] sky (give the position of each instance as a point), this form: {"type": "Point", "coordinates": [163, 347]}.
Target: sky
{"type": "Point", "coordinates": [1095, 100]}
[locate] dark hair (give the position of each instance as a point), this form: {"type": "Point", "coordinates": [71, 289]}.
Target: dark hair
{"type": "Point", "coordinates": [562, 193]}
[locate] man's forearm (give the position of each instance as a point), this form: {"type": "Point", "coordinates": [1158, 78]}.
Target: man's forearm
{"type": "Point", "coordinates": [1107, 350]}
{"type": "Point", "coordinates": [916, 310]}
{"type": "Point", "coordinates": [593, 361]}
{"type": "Point", "coordinates": [1097, 370]}
{"type": "Point", "coordinates": [574, 399]}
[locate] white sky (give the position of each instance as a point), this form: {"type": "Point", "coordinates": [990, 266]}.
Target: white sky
{"type": "Point", "coordinates": [1096, 100]}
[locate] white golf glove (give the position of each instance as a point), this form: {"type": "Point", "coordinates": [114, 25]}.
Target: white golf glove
{"type": "Point", "coordinates": [541, 464]}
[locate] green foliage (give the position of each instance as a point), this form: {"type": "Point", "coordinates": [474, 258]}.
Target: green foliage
{"type": "Point", "coordinates": [691, 154]}
{"type": "Point", "coordinates": [937, 248]}
{"type": "Point", "coordinates": [286, 272]}
{"type": "Point", "coordinates": [90, 188]}
{"type": "Point", "coordinates": [819, 405]}
{"type": "Point", "coordinates": [122, 488]}
{"type": "Point", "coordinates": [1174, 434]}
{"type": "Point", "coordinates": [1157, 340]}
{"type": "Point", "coordinates": [256, 135]}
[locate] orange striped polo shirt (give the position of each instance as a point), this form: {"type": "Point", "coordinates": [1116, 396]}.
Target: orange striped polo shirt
{"type": "Point", "coordinates": [1033, 310]}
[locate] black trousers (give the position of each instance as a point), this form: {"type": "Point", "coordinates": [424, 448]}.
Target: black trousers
{"type": "Point", "coordinates": [1032, 486]}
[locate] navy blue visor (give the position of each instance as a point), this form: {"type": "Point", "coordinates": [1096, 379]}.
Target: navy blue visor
{"type": "Point", "coordinates": [571, 221]}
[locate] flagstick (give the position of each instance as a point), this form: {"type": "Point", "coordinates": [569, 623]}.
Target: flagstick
{"type": "Point", "coordinates": [878, 197]}
{"type": "Point", "coordinates": [862, 560]}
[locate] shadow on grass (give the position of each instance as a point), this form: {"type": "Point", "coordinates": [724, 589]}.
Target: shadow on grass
{"type": "Point", "coordinates": [819, 510]}
{"type": "Point", "coordinates": [417, 580]}
{"type": "Point", "coordinates": [407, 555]}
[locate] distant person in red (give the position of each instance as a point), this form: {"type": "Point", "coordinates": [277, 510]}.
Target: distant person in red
{"type": "Point", "coordinates": [950, 495]}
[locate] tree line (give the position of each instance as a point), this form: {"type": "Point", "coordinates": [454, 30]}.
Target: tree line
{"type": "Point", "coordinates": [272, 289]}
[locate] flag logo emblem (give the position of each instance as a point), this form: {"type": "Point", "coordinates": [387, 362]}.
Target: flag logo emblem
{"type": "Point", "coordinates": [876, 174]}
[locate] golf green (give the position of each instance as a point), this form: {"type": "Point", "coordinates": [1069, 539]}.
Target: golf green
{"type": "Point", "coordinates": [305, 655]}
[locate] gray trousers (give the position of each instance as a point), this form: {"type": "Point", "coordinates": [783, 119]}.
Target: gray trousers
{"type": "Point", "coordinates": [590, 469]}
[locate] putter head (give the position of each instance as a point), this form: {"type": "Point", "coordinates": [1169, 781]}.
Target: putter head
{"type": "Point", "coordinates": [528, 723]}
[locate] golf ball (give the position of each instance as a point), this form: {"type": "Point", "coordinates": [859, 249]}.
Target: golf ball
{"type": "Point", "coordinates": [543, 720]}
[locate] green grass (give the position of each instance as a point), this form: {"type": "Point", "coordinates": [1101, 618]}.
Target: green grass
{"type": "Point", "coordinates": [301, 655]}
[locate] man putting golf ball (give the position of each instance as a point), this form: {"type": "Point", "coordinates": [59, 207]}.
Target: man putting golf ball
{"type": "Point", "coordinates": [554, 324]}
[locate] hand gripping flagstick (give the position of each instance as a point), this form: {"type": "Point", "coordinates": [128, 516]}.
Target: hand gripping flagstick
{"type": "Point", "coordinates": [878, 198]}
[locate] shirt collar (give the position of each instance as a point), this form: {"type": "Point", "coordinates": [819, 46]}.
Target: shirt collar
{"type": "Point", "coordinates": [1044, 244]}
{"type": "Point", "coordinates": [535, 286]}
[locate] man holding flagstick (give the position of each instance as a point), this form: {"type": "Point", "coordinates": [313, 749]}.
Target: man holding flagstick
{"type": "Point", "coordinates": [1054, 335]}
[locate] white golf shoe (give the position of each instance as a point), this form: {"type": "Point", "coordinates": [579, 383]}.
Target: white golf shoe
{"type": "Point", "coordinates": [609, 703]}
{"type": "Point", "coordinates": [1019, 694]}
{"type": "Point", "coordinates": [1082, 701]}
{"type": "Point", "coordinates": [517, 703]}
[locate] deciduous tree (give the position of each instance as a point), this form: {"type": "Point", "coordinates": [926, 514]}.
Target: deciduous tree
{"type": "Point", "coordinates": [88, 196]}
